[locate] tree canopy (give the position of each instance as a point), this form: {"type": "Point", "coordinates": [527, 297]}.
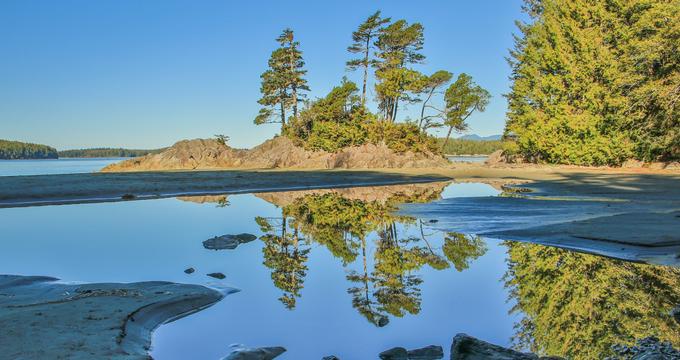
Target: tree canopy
{"type": "Point", "coordinates": [13, 150]}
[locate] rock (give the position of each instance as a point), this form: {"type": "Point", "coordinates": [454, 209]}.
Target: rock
{"type": "Point", "coordinates": [189, 270]}
{"type": "Point", "coordinates": [264, 353]}
{"type": "Point", "coordinates": [496, 158]}
{"type": "Point", "coordinates": [675, 313]}
{"type": "Point", "coordinates": [465, 347]}
{"type": "Point", "coordinates": [229, 242]}
{"type": "Point", "coordinates": [633, 164]}
{"type": "Point", "coordinates": [330, 357]}
{"type": "Point", "coordinates": [397, 353]}
{"type": "Point", "coordinates": [217, 275]}
{"type": "Point", "coordinates": [279, 152]}
{"type": "Point", "coordinates": [673, 166]}
{"type": "Point", "coordinates": [649, 348]}
{"type": "Point", "coordinates": [431, 352]}
{"type": "Point", "coordinates": [128, 197]}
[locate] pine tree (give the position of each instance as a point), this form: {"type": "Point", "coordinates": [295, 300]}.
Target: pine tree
{"type": "Point", "coordinates": [463, 98]}
{"type": "Point", "coordinates": [398, 45]}
{"type": "Point", "coordinates": [362, 44]}
{"type": "Point", "coordinates": [430, 85]}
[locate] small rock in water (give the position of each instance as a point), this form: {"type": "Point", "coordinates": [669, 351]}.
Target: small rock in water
{"type": "Point", "coordinates": [432, 221]}
{"type": "Point", "coordinates": [432, 352]}
{"type": "Point", "coordinates": [228, 242]}
{"type": "Point", "coordinates": [128, 197]}
{"type": "Point", "coordinates": [330, 357]}
{"type": "Point", "coordinates": [217, 275]}
{"type": "Point", "coordinates": [189, 270]}
{"type": "Point", "coordinates": [264, 353]}
{"type": "Point", "coordinates": [397, 353]}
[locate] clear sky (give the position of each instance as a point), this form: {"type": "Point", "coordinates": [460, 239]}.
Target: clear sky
{"type": "Point", "coordinates": [144, 74]}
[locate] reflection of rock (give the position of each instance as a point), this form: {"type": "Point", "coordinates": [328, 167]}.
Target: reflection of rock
{"type": "Point", "coordinates": [202, 199]}
{"type": "Point", "coordinates": [44, 319]}
{"type": "Point", "coordinates": [228, 242]}
{"type": "Point", "coordinates": [465, 347]}
{"type": "Point", "coordinates": [265, 353]}
{"type": "Point", "coordinates": [380, 194]}
{"type": "Point", "coordinates": [649, 348]}
{"type": "Point", "coordinates": [217, 275]}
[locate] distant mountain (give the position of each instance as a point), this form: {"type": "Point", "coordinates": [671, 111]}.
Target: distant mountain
{"type": "Point", "coordinates": [11, 150]}
{"type": "Point", "coordinates": [475, 137]}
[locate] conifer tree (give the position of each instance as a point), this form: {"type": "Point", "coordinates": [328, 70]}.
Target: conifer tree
{"type": "Point", "coordinates": [463, 98]}
{"type": "Point", "coordinates": [363, 37]}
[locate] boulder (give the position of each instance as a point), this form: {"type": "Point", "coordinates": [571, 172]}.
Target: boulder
{"type": "Point", "coordinates": [189, 270]}
{"type": "Point", "coordinates": [228, 242]}
{"type": "Point", "coordinates": [264, 353]}
{"type": "Point", "coordinates": [396, 353]}
{"type": "Point", "coordinates": [465, 347]}
{"type": "Point", "coordinates": [633, 164]}
{"type": "Point", "coordinates": [432, 352]}
{"type": "Point", "coordinates": [217, 275]}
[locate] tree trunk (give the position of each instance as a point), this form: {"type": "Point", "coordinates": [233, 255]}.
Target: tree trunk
{"type": "Point", "coordinates": [283, 116]}
{"type": "Point", "coordinates": [447, 138]}
{"type": "Point", "coordinates": [422, 111]}
{"type": "Point", "coordinates": [396, 107]}
{"type": "Point", "coordinates": [363, 90]}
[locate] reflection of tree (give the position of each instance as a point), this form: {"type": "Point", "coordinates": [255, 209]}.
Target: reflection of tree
{"type": "Point", "coordinates": [343, 225]}
{"type": "Point", "coordinates": [282, 254]}
{"type": "Point", "coordinates": [578, 305]}
{"type": "Point", "coordinates": [461, 249]}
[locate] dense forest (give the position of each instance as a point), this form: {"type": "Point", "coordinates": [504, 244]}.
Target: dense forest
{"type": "Point", "coordinates": [389, 50]}
{"type": "Point", "coordinates": [596, 82]}
{"type": "Point", "coordinates": [11, 150]}
{"type": "Point", "coordinates": [105, 152]}
{"type": "Point", "coordinates": [470, 147]}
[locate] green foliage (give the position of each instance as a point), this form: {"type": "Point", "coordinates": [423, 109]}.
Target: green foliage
{"type": "Point", "coordinates": [578, 305]}
{"type": "Point", "coordinates": [470, 147]}
{"type": "Point", "coordinates": [106, 152]}
{"type": "Point", "coordinates": [363, 44]}
{"type": "Point", "coordinates": [461, 249]}
{"type": "Point", "coordinates": [401, 137]}
{"type": "Point", "coordinates": [222, 139]}
{"type": "Point", "coordinates": [12, 150]}
{"type": "Point", "coordinates": [596, 83]}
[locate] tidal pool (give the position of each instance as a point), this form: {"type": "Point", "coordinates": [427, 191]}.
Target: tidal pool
{"type": "Point", "coordinates": [338, 272]}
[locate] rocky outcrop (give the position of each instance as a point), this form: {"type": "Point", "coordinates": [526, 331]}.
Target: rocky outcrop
{"type": "Point", "coordinates": [42, 318]}
{"type": "Point", "coordinates": [279, 152]}
{"type": "Point", "coordinates": [465, 347]}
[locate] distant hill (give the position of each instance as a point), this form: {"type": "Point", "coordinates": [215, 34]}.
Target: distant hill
{"type": "Point", "coordinates": [13, 150]}
{"type": "Point", "coordinates": [475, 137]}
{"type": "Point", "coordinates": [106, 152]}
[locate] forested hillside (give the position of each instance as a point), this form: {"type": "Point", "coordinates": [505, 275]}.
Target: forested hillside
{"type": "Point", "coordinates": [597, 82]}
{"type": "Point", "coordinates": [11, 150]}
{"type": "Point", "coordinates": [106, 152]}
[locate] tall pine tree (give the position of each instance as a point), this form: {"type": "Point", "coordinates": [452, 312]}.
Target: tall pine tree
{"type": "Point", "coordinates": [363, 39]}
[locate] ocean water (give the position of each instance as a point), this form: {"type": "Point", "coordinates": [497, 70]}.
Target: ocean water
{"type": "Point", "coordinates": [338, 272]}
{"type": "Point", "coordinates": [54, 166]}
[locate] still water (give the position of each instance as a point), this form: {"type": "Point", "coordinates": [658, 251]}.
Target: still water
{"type": "Point", "coordinates": [338, 272]}
{"type": "Point", "coordinates": [54, 166]}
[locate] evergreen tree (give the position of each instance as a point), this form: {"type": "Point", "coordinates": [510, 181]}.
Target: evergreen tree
{"type": "Point", "coordinates": [463, 98]}
{"type": "Point", "coordinates": [398, 45]}
{"type": "Point", "coordinates": [282, 82]}
{"type": "Point", "coordinates": [430, 85]}
{"type": "Point", "coordinates": [362, 44]}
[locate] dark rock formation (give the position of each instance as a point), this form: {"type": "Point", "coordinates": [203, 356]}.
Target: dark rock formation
{"type": "Point", "coordinates": [432, 352]}
{"type": "Point", "coordinates": [189, 270]}
{"type": "Point", "coordinates": [649, 348]}
{"type": "Point", "coordinates": [465, 347]}
{"type": "Point", "coordinates": [397, 353]}
{"type": "Point", "coordinates": [217, 275]}
{"type": "Point", "coordinates": [228, 242]}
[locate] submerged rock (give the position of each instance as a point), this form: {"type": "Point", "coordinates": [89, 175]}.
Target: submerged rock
{"type": "Point", "coordinates": [396, 353]}
{"type": "Point", "coordinates": [264, 353]}
{"type": "Point", "coordinates": [228, 242]}
{"type": "Point", "coordinates": [465, 347]}
{"type": "Point", "coordinates": [217, 275]}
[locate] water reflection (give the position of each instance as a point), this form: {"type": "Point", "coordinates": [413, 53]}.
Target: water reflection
{"type": "Point", "coordinates": [578, 305]}
{"type": "Point", "coordinates": [344, 222]}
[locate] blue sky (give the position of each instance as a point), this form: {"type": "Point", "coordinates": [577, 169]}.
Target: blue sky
{"type": "Point", "coordinates": [145, 74]}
